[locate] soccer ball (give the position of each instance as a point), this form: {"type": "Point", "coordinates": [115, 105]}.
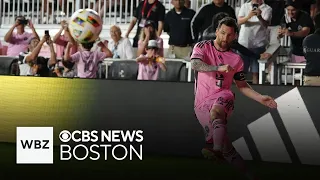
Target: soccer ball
{"type": "Point", "coordinates": [85, 25]}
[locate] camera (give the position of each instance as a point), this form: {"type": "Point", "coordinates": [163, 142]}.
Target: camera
{"type": "Point", "coordinates": [23, 21]}
{"type": "Point", "coordinates": [46, 32]}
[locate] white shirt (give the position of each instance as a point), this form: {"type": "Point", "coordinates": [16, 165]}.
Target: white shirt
{"type": "Point", "coordinates": [252, 33]}
{"type": "Point", "coordinates": [25, 69]}
{"type": "Point", "coordinates": [124, 49]}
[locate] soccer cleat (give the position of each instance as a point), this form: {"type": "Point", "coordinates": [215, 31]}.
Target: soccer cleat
{"type": "Point", "coordinates": [210, 154]}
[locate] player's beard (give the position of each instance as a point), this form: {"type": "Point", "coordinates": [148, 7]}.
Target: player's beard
{"type": "Point", "coordinates": [223, 44]}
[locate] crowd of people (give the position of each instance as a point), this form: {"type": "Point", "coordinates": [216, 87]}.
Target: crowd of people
{"type": "Point", "coordinates": [260, 25]}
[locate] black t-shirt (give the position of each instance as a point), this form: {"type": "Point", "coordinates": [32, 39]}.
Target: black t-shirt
{"type": "Point", "coordinates": [178, 27]}
{"type": "Point", "coordinates": [203, 19]}
{"type": "Point", "coordinates": [311, 48]}
{"type": "Point", "coordinates": [306, 4]}
{"type": "Point", "coordinates": [156, 14]}
{"type": "Point", "coordinates": [277, 10]}
{"type": "Point", "coordinates": [303, 20]}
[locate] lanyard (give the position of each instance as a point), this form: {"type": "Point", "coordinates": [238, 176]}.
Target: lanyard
{"type": "Point", "coordinates": [144, 6]}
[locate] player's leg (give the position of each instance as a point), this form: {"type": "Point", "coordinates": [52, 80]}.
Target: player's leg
{"type": "Point", "coordinates": [233, 157]}
{"type": "Point", "coordinates": [203, 116]}
{"type": "Point", "coordinates": [219, 125]}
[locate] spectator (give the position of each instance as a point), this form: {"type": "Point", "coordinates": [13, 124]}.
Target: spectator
{"type": "Point", "coordinates": [203, 18]}
{"type": "Point", "coordinates": [120, 47]}
{"type": "Point", "coordinates": [86, 61]}
{"type": "Point", "coordinates": [210, 34]}
{"type": "Point", "coordinates": [35, 65]}
{"type": "Point", "coordinates": [187, 4]}
{"type": "Point", "coordinates": [278, 7]}
{"type": "Point", "coordinates": [317, 9]}
{"type": "Point", "coordinates": [150, 63]}
{"type": "Point", "coordinates": [69, 72]}
{"type": "Point", "coordinates": [297, 25]}
{"type": "Point", "coordinates": [1, 48]}
{"type": "Point", "coordinates": [61, 40]}
{"type": "Point", "coordinates": [149, 33]}
{"type": "Point", "coordinates": [147, 10]}
{"type": "Point", "coordinates": [177, 25]}
{"type": "Point", "coordinates": [19, 40]}
{"type": "Point", "coordinates": [308, 6]}
{"type": "Point", "coordinates": [311, 46]}
{"type": "Point", "coordinates": [254, 18]}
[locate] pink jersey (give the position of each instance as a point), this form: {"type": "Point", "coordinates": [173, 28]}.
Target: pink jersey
{"type": "Point", "coordinates": [210, 83]}
{"type": "Point", "coordinates": [19, 43]}
{"type": "Point", "coordinates": [87, 62]}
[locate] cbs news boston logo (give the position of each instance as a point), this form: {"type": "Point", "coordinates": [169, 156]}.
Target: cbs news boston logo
{"type": "Point", "coordinates": [34, 145]}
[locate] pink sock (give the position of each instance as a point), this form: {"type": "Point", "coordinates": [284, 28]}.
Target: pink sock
{"type": "Point", "coordinates": [219, 133]}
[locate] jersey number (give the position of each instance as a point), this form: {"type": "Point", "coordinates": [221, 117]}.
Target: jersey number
{"type": "Point", "coordinates": [220, 79]}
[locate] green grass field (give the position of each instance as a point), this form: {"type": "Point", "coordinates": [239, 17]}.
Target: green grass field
{"type": "Point", "coordinates": [151, 167]}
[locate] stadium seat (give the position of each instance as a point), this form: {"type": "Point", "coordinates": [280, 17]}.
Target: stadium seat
{"type": "Point", "coordinates": [9, 65]}
{"type": "Point", "coordinates": [126, 70]}
{"type": "Point", "coordinates": [176, 71]}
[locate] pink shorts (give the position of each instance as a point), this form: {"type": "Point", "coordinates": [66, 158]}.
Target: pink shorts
{"type": "Point", "coordinates": [202, 111]}
{"type": "Point", "coordinates": [297, 59]}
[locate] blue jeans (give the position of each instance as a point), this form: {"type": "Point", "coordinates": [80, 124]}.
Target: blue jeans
{"type": "Point", "coordinates": [252, 62]}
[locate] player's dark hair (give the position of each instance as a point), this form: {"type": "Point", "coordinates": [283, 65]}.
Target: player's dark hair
{"type": "Point", "coordinates": [230, 22]}
{"type": "Point", "coordinates": [317, 20]}
{"type": "Point", "coordinates": [87, 46]}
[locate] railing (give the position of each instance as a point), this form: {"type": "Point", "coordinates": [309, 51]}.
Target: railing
{"type": "Point", "coordinates": [53, 11]}
{"type": "Point", "coordinates": [108, 62]}
{"type": "Point", "coordinates": [294, 75]}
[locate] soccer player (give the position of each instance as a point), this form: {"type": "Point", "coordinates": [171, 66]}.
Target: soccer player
{"type": "Point", "coordinates": [216, 66]}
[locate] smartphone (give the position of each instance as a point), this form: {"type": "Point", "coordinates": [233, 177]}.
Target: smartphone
{"type": "Point", "coordinates": [255, 6]}
{"type": "Point", "coordinates": [46, 32]}
{"type": "Point", "coordinates": [23, 21]}
{"type": "Point", "coordinates": [284, 25]}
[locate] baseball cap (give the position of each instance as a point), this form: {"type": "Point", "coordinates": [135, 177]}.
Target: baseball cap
{"type": "Point", "coordinates": [150, 23]}
{"type": "Point", "coordinates": [152, 44]}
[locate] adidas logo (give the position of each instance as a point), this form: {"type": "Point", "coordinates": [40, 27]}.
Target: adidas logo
{"type": "Point", "coordinates": [299, 126]}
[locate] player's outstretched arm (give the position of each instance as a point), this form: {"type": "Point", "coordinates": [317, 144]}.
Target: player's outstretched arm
{"type": "Point", "coordinates": [246, 89]}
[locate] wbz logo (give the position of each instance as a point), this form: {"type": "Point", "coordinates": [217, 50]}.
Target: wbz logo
{"type": "Point", "coordinates": [34, 145]}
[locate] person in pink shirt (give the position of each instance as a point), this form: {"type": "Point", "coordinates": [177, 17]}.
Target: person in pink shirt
{"type": "Point", "coordinates": [87, 61]}
{"type": "Point", "coordinates": [19, 40]}
{"type": "Point", "coordinates": [217, 67]}
{"type": "Point", "coordinates": [151, 63]}
{"type": "Point", "coordinates": [61, 40]}
{"type": "Point", "coordinates": [149, 33]}
{"type": "Point", "coordinates": [1, 48]}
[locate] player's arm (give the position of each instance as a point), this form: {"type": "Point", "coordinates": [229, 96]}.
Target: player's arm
{"type": "Point", "coordinates": [246, 89]}
{"type": "Point", "coordinates": [200, 66]}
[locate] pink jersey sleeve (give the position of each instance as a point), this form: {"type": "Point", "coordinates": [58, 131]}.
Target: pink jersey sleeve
{"type": "Point", "coordinates": [239, 75]}
{"type": "Point", "coordinates": [75, 57]}
{"type": "Point", "coordinates": [198, 52]}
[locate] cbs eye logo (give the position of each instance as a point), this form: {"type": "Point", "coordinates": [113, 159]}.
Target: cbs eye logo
{"type": "Point", "coordinates": [65, 136]}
